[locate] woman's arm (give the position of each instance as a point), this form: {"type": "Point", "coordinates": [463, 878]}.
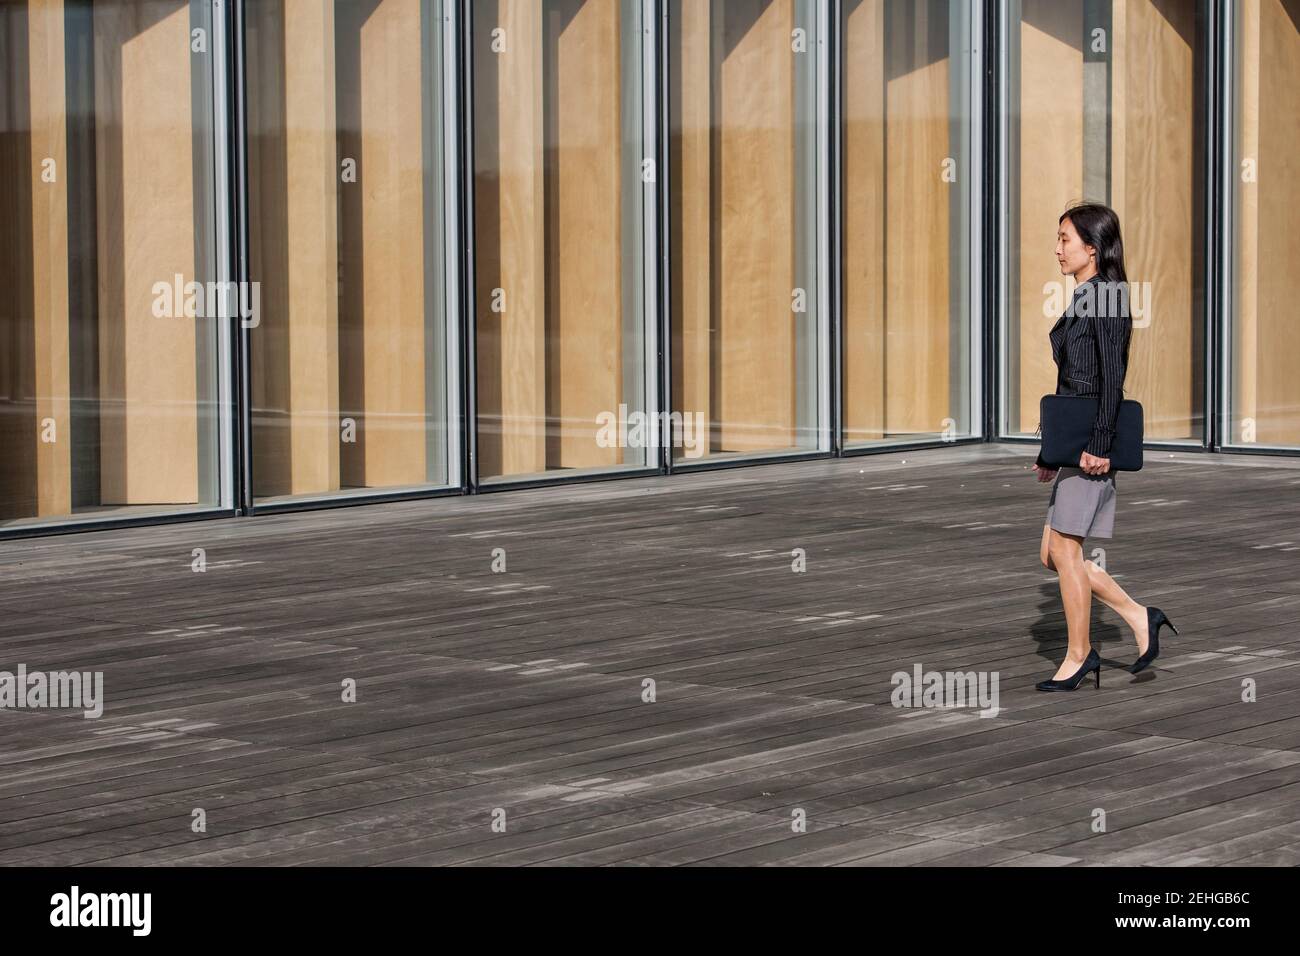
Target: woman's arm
{"type": "Point", "coordinates": [1112, 334]}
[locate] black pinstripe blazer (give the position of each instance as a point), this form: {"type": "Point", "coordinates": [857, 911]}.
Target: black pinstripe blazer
{"type": "Point", "coordinates": [1090, 344]}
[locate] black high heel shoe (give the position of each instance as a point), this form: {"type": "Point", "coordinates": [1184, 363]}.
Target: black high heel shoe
{"type": "Point", "coordinates": [1090, 663]}
{"type": "Point", "coordinates": [1155, 618]}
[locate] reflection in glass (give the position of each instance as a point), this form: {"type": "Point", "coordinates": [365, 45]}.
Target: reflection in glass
{"type": "Point", "coordinates": [108, 358]}
{"type": "Point", "coordinates": [906, 219]}
{"type": "Point", "coordinates": [746, 307]}
{"type": "Point", "coordinates": [1264, 340]}
{"type": "Point", "coordinates": [350, 351]}
{"type": "Point", "coordinates": [1106, 105]}
{"type": "Point", "coordinates": [558, 213]}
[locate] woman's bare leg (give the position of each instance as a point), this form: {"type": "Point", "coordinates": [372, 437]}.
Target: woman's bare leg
{"type": "Point", "coordinates": [1066, 552]}
{"type": "Point", "coordinates": [1106, 588]}
{"type": "Point", "coordinates": [1117, 599]}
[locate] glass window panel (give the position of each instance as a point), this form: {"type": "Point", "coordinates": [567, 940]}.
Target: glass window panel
{"type": "Point", "coordinates": [561, 344]}
{"type": "Point", "coordinates": [746, 304]}
{"type": "Point", "coordinates": [350, 353]}
{"type": "Point", "coordinates": [906, 185]}
{"type": "Point", "coordinates": [110, 352]}
{"type": "Point", "coordinates": [1106, 104]}
{"type": "Point", "coordinates": [1264, 339]}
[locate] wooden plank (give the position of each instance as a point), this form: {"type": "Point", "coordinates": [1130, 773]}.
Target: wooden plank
{"type": "Point", "coordinates": [918, 205]}
{"type": "Point", "coordinates": [693, 267]}
{"type": "Point", "coordinates": [523, 690]}
{"type": "Point", "coordinates": [1051, 177]}
{"type": "Point", "coordinates": [19, 429]}
{"type": "Point", "coordinates": [753, 341]}
{"type": "Point", "coordinates": [1158, 210]}
{"type": "Point", "coordinates": [50, 258]}
{"type": "Point", "coordinates": [865, 272]}
{"type": "Point", "coordinates": [294, 247]}
{"type": "Point", "coordinates": [145, 172]}
{"type": "Point", "coordinates": [584, 251]}
{"type": "Point", "coordinates": [392, 422]}
{"type": "Point", "coordinates": [1278, 394]}
{"type": "Point", "coordinates": [510, 236]}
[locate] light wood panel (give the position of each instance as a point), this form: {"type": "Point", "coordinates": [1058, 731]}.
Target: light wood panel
{"type": "Point", "coordinates": [584, 228]}
{"type": "Point", "coordinates": [864, 221]}
{"type": "Point", "coordinates": [382, 352]}
{"type": "Point", "coordinates": [692, 245]}
{"type": "Point", "coordinates": [549, 217]}
{"type": "Point", "coordinates": [918, 206]}
{"type": "Point", "coordinates": [1153, 167]}
{"type": "Point", "coordinates": [293, 243]}
{"type": "Point", "coordinates": [1275, 351]}
{"type": "Point", "coordinates": [393, 233]}
{"type": "Point", "coordinates": [145, 188]}
{"type": "Point", "coordinates": [898, 206]}
{"type": "Point", "coordinates": [1051, 176]}
{"type": "Point", "coordinates": [49, 221]}
{"type": "Point", "coordinates": [35, 425]}
{"type": "Point", "coordinates": [18, 431]}
{"type": "Point", "coordinates": [510, 237]}
{"type": "Point", "coordinates": [754, 340]}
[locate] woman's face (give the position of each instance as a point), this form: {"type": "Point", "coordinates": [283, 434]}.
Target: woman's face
{"type": "Point", "coordinates": [1073, 255]}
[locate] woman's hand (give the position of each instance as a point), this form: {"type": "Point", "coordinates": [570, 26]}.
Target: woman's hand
{"type": "Point", "coordinates": [1045, 473]}
{"type": "Point", "coordinates": [1093, 465]}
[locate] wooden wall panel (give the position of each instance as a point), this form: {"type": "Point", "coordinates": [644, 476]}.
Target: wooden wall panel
{"type": "Point", "coordinates": [294, 247]}
{"type": "Point", "coordinates": [864, 221]}
{"type": "Point", "coordinates": [1051, 176]}
{"type": "Point", "coordinates": [511, 240]}
{"type": "Point", "coordinates": [754, 339]}
{"type": "Point", "coordinates": [692, 221]}
{"type": "Point", "coordinates": [917, 340]}
{"type": "Point", "coordinates": [18, 431]}
{"type": "Point", "coordinates": [49, 238]}
{"type": "Point", "coordinates": [1155, 206]}
{"type": "Point", "coordinates": [144, 162]}
{"type": "Point", "coordinates": [584, 228]}
{"type": "Point", "coordinates": [392, 228]}
{"type": "Point", "coordinates": [1277, 348]}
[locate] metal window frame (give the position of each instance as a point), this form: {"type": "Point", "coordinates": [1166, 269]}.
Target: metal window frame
{"type": "Point", "coordinates": [455, 294]}
{"type": "Point", "coordinates": [223, 73]}
{"type": "Point", "coordinates": [653, 216]}
{"type": "Point", "coordinates": [1223, 193]}
{"type": "Point", "coordinates": [977, 165]}
{"type": "Point", "coordinates": [1215, 247]}
{"type": "Point", "coordinates": [825, 229]}
{"type": "Point", "coordinates": [989, 104]}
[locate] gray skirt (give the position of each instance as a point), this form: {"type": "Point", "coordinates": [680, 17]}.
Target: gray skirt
{"type": "Point", "coordinates": [1082, 504]}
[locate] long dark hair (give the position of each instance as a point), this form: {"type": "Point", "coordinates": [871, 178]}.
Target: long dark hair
{"type": "Point", "coordinates": [1098, 226]}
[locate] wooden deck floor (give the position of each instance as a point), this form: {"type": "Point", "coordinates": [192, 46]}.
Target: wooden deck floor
{"type": "Point", "coordinates": [522, 691]}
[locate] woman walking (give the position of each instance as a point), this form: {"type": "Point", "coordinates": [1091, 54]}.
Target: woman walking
{"type": "Point", "coordinates": [1090, 345]}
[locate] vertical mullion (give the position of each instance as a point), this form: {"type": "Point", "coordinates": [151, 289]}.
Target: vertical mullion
{"type": "Point", "coordinates": [1220, 175]}
{"type": "Point", "coordinates": [834, 294]}
{"type": "Point", "coordinates": [663, 211]}
{"type": "Point", "coordinates": [469, 323]}
{"type": "Point", "coordinates": [232, 176]}
{"type": "Point", "coordinates": [453, 272]}
{"type": "Point", "coordinates": [651, 328]}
